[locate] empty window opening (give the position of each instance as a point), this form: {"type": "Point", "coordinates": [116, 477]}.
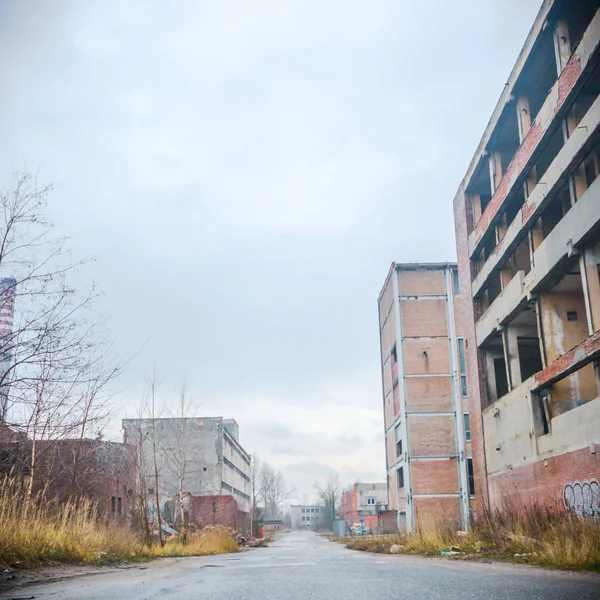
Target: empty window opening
{"type": "Point", "coordinates": [119, 505]}
{"type": "Point", "coordinates": [113, 503]}
{"type": "Point", "coordinates": [548, 154]}
{"type": "Point", "coordinates": [398, 434]}
{"type": "Point", "coordinates": [500, 376]}
{"type": "Point", "coordinates": [470, 477]}
{"type": "Point", "coordinates": [400, 477]}
{"type": "Point", "coordinates": [539, 73]}
{"type": "Point", "coordinates": [530, 356]}
{"type": "Point", "coordinates": [394, 355]}
{"type": "Point", "coordinates": [555, 211]}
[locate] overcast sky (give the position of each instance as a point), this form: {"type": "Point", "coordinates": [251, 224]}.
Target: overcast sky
{"type": "Point", "coordinates": [245, 172]}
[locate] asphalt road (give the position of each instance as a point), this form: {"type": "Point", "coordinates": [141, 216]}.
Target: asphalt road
{"type": "Point", "coordinates": [303, 566]}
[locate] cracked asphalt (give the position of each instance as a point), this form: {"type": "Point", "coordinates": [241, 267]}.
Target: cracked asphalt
{"type": "Point", "coordinates": [302, 565]}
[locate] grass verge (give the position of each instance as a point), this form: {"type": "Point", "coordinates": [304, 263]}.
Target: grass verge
{"type": "Point", "coordinates": [533, 535]}
{"type": "Point", "coordinates": [41, 531]}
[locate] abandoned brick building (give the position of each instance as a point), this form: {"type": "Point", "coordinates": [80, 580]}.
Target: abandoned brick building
{"type": "Point", "coordinates": [527, 219]}
{"type": "Point", "coordinates": [425, 396]}
{"type": "Point", "coordinates": [100, 471]}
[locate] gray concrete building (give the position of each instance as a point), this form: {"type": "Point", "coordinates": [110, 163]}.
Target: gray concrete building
{"type": "Point", "coordinates": [527, 218]}
{"type": "Point", "coordinates": [205, 450]}
{"type": "Point", "coordinates": [305, 516]}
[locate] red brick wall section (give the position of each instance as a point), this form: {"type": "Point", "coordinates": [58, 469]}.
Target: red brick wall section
{"type": "Point", "coordinates": [225, 512]}
{"type": "Point", "coordinates": [426, 356]}
{"type": "Point", "coordinates": [434, 477]}
{"type": "Point", "coordinates": [571, 480]}
{"type": "Point", "coordinates": [422, 283]}
{"type": "Point", "coordinates": [386, 521]}
{"type": "Point", "coordinates": [422, 318]}
{"type": "Point", "coordinates": [431, 435]}
{"type": "Point", "coordinates": [349, 505]}
{"type": "Point", "coordinates": [424, 394]}
{"type": "Point", "coordinates": [469, 311]}
{"type": "Point", "coordinates": [435, 511]}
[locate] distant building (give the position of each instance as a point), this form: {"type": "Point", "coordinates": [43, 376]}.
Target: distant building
{"type": "Point", "coordinates": [527, 219]}
{"type": "Point", "coordinates": [7, 313]}
{"type": "Point", "coordinates": [425, 396]}
{"type": "Point", "coordinates": [215, 462]}
{"type": "Point", "coordinates": [306, 516]}
{"type": "Point", "coordinates": [272, 525]}
{"type": "Point", "coordinates": [361, 506]}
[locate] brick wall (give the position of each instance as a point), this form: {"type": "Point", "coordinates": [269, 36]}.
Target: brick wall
{"type": "Point", "coordinates": [425, 394]}
{"type": "Point", "coordinates": [424, 318]}
{"type": "Point", "coordinates": [422, 282]}
{"type": "Point", "coordinates": [547, 481]}
{"type": "Point", "coordinates": [436, 359]}
{"type": "Point", "coordinates": [433, 511]}
{"type": "Point", "coordinates": [431, 436]}
{"type": "Point", "coordinates": [216, 510]}
{"type": "Point", "coordinates": [435, 477]}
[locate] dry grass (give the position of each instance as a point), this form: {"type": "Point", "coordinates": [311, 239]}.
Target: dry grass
{"type": "Point", "coordinates": [214, 541]}
{"type": "Point", "coordinates": [41, 531]}
{"type": "Point", "coordinates": [538, 535]}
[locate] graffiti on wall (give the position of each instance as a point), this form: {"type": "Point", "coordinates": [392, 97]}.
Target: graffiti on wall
{"type": "Point", "coordinates": [582, 498]}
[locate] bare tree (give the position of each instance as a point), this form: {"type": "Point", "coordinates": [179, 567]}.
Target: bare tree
{"type": "Point", "coordinates": [180, 456]}
{"type": "Point", "coordinates": [255, 496]}
{"type": "Point", "coordinates": [273, 490]}
{"type": "Point", "coordinates": [329, 496]}
{"type": "Point", "coordinates": [56, 357]}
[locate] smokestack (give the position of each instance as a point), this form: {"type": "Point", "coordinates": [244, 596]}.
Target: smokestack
{"type": "Point", "coordinates": [7, 316]}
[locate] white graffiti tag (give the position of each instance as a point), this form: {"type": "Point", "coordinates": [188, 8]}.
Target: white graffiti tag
{"type": "Point", "coordinates": [582, 498]}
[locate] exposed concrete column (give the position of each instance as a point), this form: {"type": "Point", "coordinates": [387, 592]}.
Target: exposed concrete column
{"type": "Point", "coordinates": [562, 46]}
{"type": "Point", "coordinates": [540, 330]}
{"type": "Point", "coordinates": [523, 117]}
{"type": "Point", "coordinates": [495, 162]}
{"type": "Point", "coordinates": [511, 353]}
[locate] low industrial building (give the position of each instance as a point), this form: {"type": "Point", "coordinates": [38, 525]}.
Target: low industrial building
{"type": "Point", "coordinates": [425, 397]}
{"type": "Point", "coordinates": [527, 218]}
{"type": "Point", "coordinates": [362, 505]}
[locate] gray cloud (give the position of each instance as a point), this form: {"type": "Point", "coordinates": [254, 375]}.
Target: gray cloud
{"type": "Point", "coordinates": [244, 174]}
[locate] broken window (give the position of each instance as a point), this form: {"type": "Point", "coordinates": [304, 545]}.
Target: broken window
{"type": "Point", "coordinates": [470, 477]}
{"type": "Point", "coordinates": [400, 477]}
{"type": "Point", "coordinates": [398, 433]}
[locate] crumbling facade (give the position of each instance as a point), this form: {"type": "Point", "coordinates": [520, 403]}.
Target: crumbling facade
{"type": "Point", "coordinates": [362, 504]}
{"type": "Point", "coordinates": [527, 219]}
{"type": "Point", "coordinates": [425, 396]}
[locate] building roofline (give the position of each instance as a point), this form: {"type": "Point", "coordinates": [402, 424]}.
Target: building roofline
{"type": "Point", "coordinates": [424, 266]}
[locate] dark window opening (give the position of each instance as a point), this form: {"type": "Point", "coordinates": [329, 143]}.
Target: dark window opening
{"type": "Point", "coordinates": [151, 490]}
{"type": "Point", "coordinates": [113, 502]}
{"type": "Point", "coordinates": [530, 357]}
{"type": "Point", "coordinates": [467, 423]}
{"type": "Point", "coordinates": [399, 448]}
{"type": "Point", "coordinates": [400, 475]}
{"type": "Point", "coordinates": [394, 355]}
{"type": "Point", "coordinates": [119, 505]}
{"type": "Point", "coordinates": [501, 377]}
{"type": "Point", "coordinates": [555, 211]}
{"type": "Point", "coordinates": [572, 315]}
{"type": "Point", "coordinates": [470, 477]}
{"type": "Point", "coordinates": [549, 153]}
{"type": "Point", "coordinates": [463, 386]}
